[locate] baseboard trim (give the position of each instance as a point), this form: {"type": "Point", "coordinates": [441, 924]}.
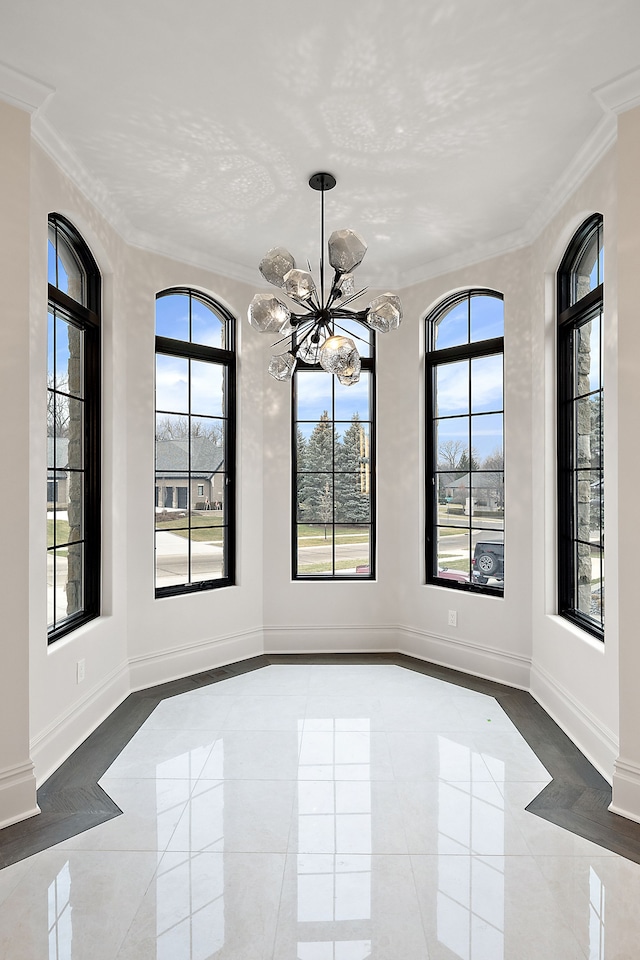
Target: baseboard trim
{"type": "Point", "coordinates": [596, 742]}
{"type": "Point", "coordinates": [184, 661]}
{"type": "Point", "coordinates": [62, 736]}
{"type": "Point", "coordinates": [17, 794]}
{"type": "Point", "coordinates": [53, 745]}
{"type": "Point", "coordinates": [470, 658]}
{"type": "Point", "coordinates": [626, 790]}
{"type": "Point", "coordinates": [337, 638]}
{"type": "Point", "coordinates": [474, 659]}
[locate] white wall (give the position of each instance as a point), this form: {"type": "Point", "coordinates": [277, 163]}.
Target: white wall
{"type": "Point", "coordinates": [139, 640]}
{"type": "Point", "coordinates": [399, 612]}
{"type": "Point", "coordinates": [517, 639]}
{"type": "Point", "coordinates": [61, 710]}
{"type": "Point", "coordinates": [493, 636]}
{"type": "Point", "coordinates": [626, 783]}
{"type": "Point", "coordinates": [574, 676]}
{"type": "Point", "coordinates": [17, 796]}
{"type": "Point", "coordinates": [174, 636]}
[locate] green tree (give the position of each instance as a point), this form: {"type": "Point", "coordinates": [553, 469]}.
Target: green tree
{"type": "Point", "coordinates": [353, 477]}
{"type": "Point", "coordinates": [301, 475]}
{"type": "Point", "coordinates": [325, 506]}
{"type": "Point", "coordinates": [465, 464]}
{"type": "Point", "coordinates": [318, 469]}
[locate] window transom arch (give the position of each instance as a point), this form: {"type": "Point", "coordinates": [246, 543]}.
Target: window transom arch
{"type": "Point", "coordinates": [465, 499]}
{"type": "Point", "coordinates": [73, 430]}
{"type": "Point", "coordinates": [581, 429]}
{"type": "Point", "coordinates": [195, 441]}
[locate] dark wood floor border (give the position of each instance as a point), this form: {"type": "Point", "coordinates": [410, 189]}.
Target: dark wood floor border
{"type": "Point", "coordinates": [71, 801]}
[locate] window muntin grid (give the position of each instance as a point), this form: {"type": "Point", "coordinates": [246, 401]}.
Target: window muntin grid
{"type": "Point", "coordinates": [465, 442]}
{"type": "Point", "coordinates": [581, 559]}
{"type": "Point", "coordinates": [334, 473]}
{"type": "Point", "coordinates": [73, 431]}
{"type": "Point", "coordinates": [194, 489]}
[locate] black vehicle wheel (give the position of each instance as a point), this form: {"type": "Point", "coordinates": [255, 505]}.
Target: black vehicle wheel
{"type": "Point", "coordinates": [486, 564]}
{"type": "Point", "coordinates": [480, 579]}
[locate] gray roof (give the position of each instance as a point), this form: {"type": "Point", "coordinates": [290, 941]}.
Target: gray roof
{"type": "Point", "coordinates": [62, 453]}
{"type": "Point", "coordinates": [172, 456]}
{"type": "Point", "coordinates": [481, 481]}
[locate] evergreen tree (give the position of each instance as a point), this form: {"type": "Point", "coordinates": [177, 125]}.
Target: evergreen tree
{"type": "Point", "coordinates": [318, 462]}
{"type": "Point", "coordinates": [465, 464]}
{"type": "Point", "coordinates": [301, 475]}
{"type": "Point", "coordinates": [325, 506]}
{"type": "Point", "coordinates": [352, 494]}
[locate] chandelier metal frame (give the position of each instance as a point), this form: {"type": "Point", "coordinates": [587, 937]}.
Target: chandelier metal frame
{"type": "Point", "coordinates": [312, 334]}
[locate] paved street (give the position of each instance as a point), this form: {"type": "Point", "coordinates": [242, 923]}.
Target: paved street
{"type": "Point", "coordinates": [172, 559]}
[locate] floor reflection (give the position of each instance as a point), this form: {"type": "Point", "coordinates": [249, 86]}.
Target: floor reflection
{"type": "Point", "coordinates": [334, 834]}
{"type": "Point", "coordinates": [470, 900]}
{"type": "Point", "coordinates": [190, 898]}
{"type": "Point", "coordinates": [324, 838]}
{"type": "Point", "coordinates": [59, 910]}
{"type": "Point", "coordinates": [596, 916]}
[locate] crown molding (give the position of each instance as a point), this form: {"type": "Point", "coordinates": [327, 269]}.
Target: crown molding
{"type": "Point", "coordinates": [193, 258]}
{"type": "Point", "coordinates": [91, 188]}
{"type": "Point", "coordinates": [23, 91]}
{"type": "Point", "coordinates": [584, 161]}
{"type": "Point", "coordinates": [589, 155]}
{"type": "Point", "coordinates": [620, 94]}
{"type": "Point", "coordinates": [96, 193]}
{"type": "Point", "coordinates": [477, 253]}
{"type": "Point", "coordinates": [599, 141]}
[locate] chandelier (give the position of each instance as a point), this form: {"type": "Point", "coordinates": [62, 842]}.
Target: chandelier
{"type": "Point", "coordinates": [317, 335]}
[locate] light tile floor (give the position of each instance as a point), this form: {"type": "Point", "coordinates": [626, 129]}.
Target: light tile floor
{"type": "Point", "coordinates": [312, 812]}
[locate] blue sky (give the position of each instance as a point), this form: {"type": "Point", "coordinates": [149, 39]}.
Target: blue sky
{"type": "Point", "coordinates": [172, 320]}
{"type": "Point", "coordinates": [314, 394]}
{"type": "Point", "coordinates": [458, 325]}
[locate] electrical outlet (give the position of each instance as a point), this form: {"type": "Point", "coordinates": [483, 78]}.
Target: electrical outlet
{"type": "Point", "coordinates": [453, 618]}
{"type": "Point", "coordinates": [80, 671]}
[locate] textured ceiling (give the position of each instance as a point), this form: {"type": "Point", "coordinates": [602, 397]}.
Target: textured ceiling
{"type": "Point", "coordinates": [448, 125]}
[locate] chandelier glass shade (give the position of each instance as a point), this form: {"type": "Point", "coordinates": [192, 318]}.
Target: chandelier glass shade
{"type": "Point", "coordinates": [313, 325]}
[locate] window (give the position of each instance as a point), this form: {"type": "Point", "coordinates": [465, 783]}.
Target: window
{"type": "Point", "coordinates": [334, 469]}
{"type": "Point", "coordinates": [465, 449]}
{"type": "Point", "coordinates": [195, 444]}
{"type": "Point", "coordinates": [73, 431]}
{"type": "Point", "coordinates": [580, 430]}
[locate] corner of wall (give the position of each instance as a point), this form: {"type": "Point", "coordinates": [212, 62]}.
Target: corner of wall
{"type": "Point", "coordinates": [626, 790]}
{"type": "Point", "coordinates": [17, 794]}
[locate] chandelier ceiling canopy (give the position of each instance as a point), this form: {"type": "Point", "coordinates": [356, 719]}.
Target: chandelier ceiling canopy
{"type": "Point", "coordinates": [316, 335]}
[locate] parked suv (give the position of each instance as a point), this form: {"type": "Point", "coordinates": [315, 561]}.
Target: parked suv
{"type": "Point", "coordinates": [488, 560]}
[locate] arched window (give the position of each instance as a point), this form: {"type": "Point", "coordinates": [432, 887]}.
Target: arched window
{"type": "Point", "coordinates": [580, 430]}
{"type": "Point", "coordinates": [464, 443]}
{"type": "Point", "coordinates": [73, 431]}
{"type": "Point", "coordinates": [195, 443]}
{"type": "Point", "coordinates": [333, 459]}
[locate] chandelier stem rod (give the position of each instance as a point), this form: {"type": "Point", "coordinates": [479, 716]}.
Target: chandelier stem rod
{"type": "Point", "coordinates": [322, 303]}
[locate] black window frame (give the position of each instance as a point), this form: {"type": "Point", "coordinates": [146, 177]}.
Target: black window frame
{"type": "Point", "coordinates": [87, 318]}
{"type": "Point", "coordinates": [226, 357]}
{"type": "Point", "coordinates": [493, 346]}
{"type": "Point", "coordinates": [571, 316]}
{"type": "Point", "coordinates": [368, 365]}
